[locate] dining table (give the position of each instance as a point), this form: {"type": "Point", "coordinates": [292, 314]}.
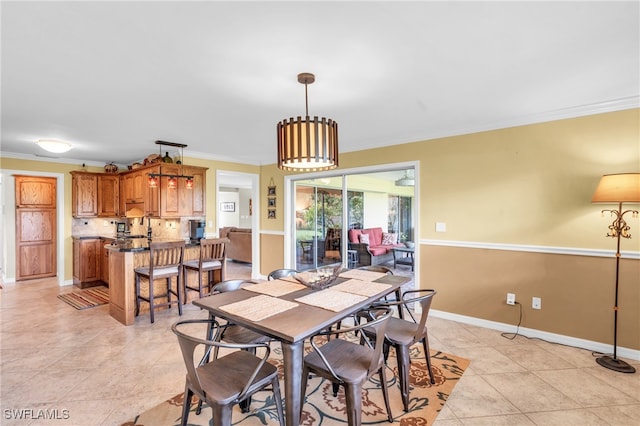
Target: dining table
{"type": "Point", "coordinates": [290, 312]}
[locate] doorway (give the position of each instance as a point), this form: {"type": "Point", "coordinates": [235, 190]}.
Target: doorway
{"type": "Point", "coordinates": [237, 204]}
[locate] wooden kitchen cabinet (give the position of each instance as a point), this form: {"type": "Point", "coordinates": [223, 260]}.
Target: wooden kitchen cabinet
{"type": "Point", "coordinates": [87, 262]}
{"type": "Point", "coordinates": [84, 194]}
{"type": "Point", "coordinates": [108, 195]}
{"type": "Point", "coordinates": [181, 201]}
{"type": "Point", "coordinates": [135, 189]}
{"type": "Point", "coordinates": [104, 267]}
{"type": "Point", "coordinates": [198, 192]}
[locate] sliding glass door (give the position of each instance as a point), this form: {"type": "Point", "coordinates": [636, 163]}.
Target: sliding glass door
{"type": "Point", "coordinates": [327, 208]}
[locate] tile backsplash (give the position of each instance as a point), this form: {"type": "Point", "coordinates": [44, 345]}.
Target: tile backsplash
{"type": "Point", "coordinates": [161, 228]}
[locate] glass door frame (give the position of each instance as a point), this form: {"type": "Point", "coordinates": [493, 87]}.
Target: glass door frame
{"type": "Point", "coordinates": [289, 211]}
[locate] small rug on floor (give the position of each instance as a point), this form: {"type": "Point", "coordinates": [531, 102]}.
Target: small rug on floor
{"type": "Point", "coordinates": [87, 298]}
{"type": "Point", "coordinates": [322, 408]}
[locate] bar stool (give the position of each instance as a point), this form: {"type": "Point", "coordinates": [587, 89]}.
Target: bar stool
{"type": "Point", "coordinates": [213, 257]}
{"type": "Point", "coordinates": [352, 259]}
{"type": "Point", "coordinates": [165, 262]}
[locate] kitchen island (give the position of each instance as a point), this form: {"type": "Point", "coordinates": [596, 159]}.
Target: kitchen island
{"type": "Point", "coordinates": [124, 256]}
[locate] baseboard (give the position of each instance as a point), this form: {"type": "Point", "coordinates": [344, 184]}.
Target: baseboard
{"type": "Point", "coordinates": [529, 332]}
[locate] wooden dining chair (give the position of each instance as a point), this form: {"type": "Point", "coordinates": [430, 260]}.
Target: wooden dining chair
{"type": "Point", "coordinates": [165, 262]}
{"type": "Point", "coordinates": [211, 261]}
{"type": "Point", "coordinates": [402, 334]}
{"type": "Point", "coordinates": [224, 381]}
{"type": "Point", "coordinates": [349, 364]}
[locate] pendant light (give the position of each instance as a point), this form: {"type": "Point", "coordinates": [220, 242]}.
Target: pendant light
{"type": "Point", "coordinates": [307, 144]}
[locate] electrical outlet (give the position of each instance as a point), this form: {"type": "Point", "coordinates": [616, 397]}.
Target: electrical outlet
{"type": "Point", "coordinates": [511, 298]}
{"type": "Point", "coordinates": [536, 303]}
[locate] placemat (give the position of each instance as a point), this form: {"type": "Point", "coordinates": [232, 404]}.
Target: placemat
{"type": "Point", "coordinates": [259, 307]}
{"type": "Point", "coordinates": [276, 287]}
{"type": "Point", "coordinates": [330, 299]}
{"type": "Point", "coordinates": [364, 288]}
{"type": "Point", "coordinates": [362, 275]}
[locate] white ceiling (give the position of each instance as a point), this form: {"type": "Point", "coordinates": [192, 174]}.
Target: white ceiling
{"type": "Point", "coordinates": [113, 77]}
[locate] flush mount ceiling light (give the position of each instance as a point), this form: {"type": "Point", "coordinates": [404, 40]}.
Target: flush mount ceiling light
{"type": "Point", "coordinates": [306, 144]}
{"type": "Point", "coordinates": [53, 145]}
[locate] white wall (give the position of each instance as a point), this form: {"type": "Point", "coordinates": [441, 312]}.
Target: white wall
{"type": "Point", "coordinates": [228, 218]}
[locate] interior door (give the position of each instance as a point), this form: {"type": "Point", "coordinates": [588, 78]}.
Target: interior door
{"type": "Point", "coordinates": [35, 227]}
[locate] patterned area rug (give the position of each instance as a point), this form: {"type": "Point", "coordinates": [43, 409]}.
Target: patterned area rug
{"type": "Point", "coordinates": [322, 408]}
{"type": "Point", "coordinates": [87, 298]}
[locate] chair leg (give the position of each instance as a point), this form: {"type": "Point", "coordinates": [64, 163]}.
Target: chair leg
{"type": "Point", "coordinates": [221, 414]}
{"type": "Point", "coordinates": [277, 398]}
{"type": "Point", "coordinates": [179, 295]}
{"type": "Point", "coordinates": [427, 355]}
{"type": "Point", "coordinates": [403, 371]}
{"type": "Point", "coordinates": [186, 405]}
{"type": "Point", "coordinates": [335, 387]}
{"type": "Point", "coordinates": [151, 301]}
{"type": "Point", "coordinates": [137, 282]}
{"type": "Point", "coordinates": [354, 404]}
{"type": "Point", "coordinates": [385, 393]}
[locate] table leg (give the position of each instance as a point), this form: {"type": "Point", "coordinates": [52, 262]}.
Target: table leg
{"type": "Point", "coordinates": [292, 355]}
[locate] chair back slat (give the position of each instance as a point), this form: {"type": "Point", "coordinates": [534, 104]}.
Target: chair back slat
{"type": "Point", "coordinates": [165, 254]}
{"type": "Point", "coordinates": [213, 249]}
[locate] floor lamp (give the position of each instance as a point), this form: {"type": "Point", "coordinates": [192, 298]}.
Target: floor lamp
{"type": "Point", "coordinates": [617, 189]}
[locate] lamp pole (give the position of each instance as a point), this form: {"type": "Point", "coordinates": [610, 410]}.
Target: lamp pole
{"type": "Point", "coordinates": [618, 229]}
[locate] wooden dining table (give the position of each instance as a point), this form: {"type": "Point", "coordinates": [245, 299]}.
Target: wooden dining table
{"type": "Point", "coordinates": [295, 315]}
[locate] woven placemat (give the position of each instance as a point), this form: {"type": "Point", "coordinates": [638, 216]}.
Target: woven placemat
{"type": "Point", "coordinates": [259, 307]}
{"type": "Point", "coordinates": [364, 288]}
{"type": "Point", "coordinates": [276, 287]}
{"type": "Point", "coordinates": [362, 275]}
{"type": "Point", "coordinates": [331, 299]}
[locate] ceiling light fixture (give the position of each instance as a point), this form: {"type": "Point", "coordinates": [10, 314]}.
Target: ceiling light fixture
{"type": "Point", "coordinates": [307, 144]}
{"type": "Point", "coordinates": [53, 145]}
{"type": "Point", "coordinates": [172, 180]}
{"type": "Point", "coordinates": [406, 180]}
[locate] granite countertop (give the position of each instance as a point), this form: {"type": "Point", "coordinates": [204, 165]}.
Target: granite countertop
{"type": "Point", "coordinates": [142, 244]}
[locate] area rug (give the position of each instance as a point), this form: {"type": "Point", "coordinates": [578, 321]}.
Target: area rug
{"type": "Point", "coordinates": [87, 298]}
{"type": "Point", "coordinates": [322, 408]}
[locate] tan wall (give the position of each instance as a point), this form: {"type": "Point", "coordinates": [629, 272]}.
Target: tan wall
{"type": "Point", "coordinates": [577, 291]}
{"type": "Point", "coordinates": [523, 186]}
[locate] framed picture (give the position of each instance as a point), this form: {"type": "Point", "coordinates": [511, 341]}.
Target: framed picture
{"type": "Point", "coordinates": [271, 202]}
{"type": "Point", "coordinates": [271, 214]}
{"type": "Point", "coordinates": [271, 191]}
{"type": "Point", "coordinates": [228, 206]}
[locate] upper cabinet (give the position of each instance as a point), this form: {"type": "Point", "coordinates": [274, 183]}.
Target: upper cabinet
{"type": "Point", "coordinates": [165, 200]}
{"type": "Point", "coordinates": [108, 195]}
{"type": "Point", "coordinates": [84, 194]}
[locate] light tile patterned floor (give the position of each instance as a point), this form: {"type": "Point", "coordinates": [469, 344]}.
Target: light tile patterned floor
{"type": "Point", "coordinates": [95, 371]}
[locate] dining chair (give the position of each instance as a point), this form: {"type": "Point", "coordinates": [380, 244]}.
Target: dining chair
{"type": "Point", "coordinates": [165, 262]}
{"type": "Point", "coordinates": [377, 268]}
{"type": "Point", "coordinates": [227, 380]}
{"type": "Point", "coordinates": [280, 273]}
{"type": "Point", "coordinates": [212, 260]}
{"type": "Point", "coordinates": [350, 364]}
{"type": "Point", "coordinates": [234, 334]}
{"type": "Point", "coordinates": [401, 334]}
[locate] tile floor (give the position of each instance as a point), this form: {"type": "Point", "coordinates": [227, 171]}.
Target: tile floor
{"type": "Point", "coordinates": [95, 371]}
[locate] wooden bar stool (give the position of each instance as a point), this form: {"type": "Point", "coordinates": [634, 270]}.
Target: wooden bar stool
{"type": "Point", "coordinates": [213, 257]}
{"type": "Point", "coordinates": [165, 262]}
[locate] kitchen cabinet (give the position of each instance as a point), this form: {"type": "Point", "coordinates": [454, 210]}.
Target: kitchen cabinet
{"type": "Point", "coordinates": [87, 262]}
{"type": "Point", "coordinates": [108, 195]}
{"type": "Point", "coordinates": [182, 201]}
{"type": "Point", "coordinates": [104, 267]}
{"type": "Point", "coordinates": [84, 194]}
{"type": "Point", "coordinates": [135, 187]}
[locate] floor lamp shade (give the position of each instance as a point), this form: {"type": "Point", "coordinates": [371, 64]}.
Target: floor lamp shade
{"type": "Point", "coordinates": [617, 189]}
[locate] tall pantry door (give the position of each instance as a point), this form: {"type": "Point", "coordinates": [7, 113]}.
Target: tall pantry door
{"type": "Point", "coordinates": [35, 227]}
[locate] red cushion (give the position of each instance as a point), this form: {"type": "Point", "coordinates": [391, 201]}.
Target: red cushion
{"type": "Point", "coordinates": [378, 250]}
{"type": "Point", "coordinates": [354, 235]}
{"type": "Point", "coordinates": [375, 236]}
